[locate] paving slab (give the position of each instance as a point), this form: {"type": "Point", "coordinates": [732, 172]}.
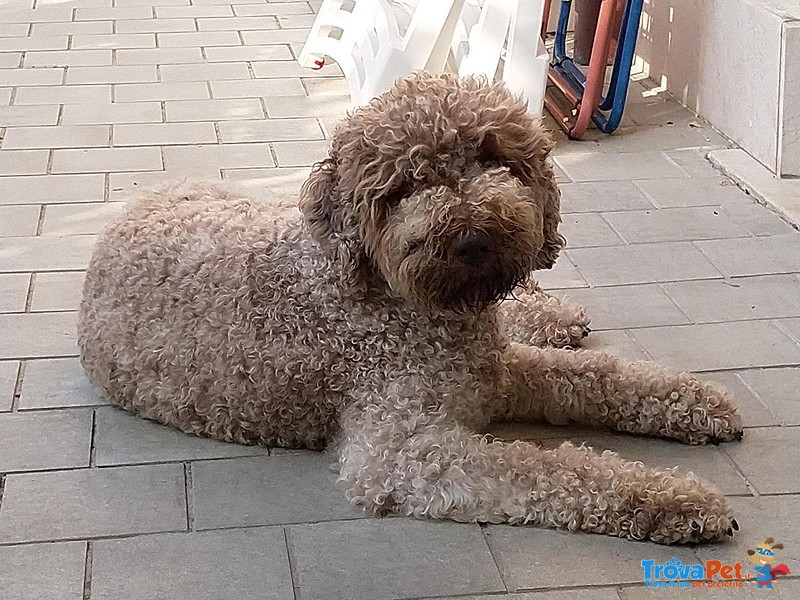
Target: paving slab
{"type": "Point", "coordinates": [755, 411]}
{"type": "Point", "coordinates": [123, 438]}
{"type": "Point", "coordinates": [754, 256]}
{"type": "Point", "coordinates": [223, 565]}
{"type": "Point", "coordinates": [778, 389]}
{"type": "Point", "coordinates": [86, 503]}
{"type": "Point", "coordinates": [526, 557]}
{"type": "Point", "coordinates": [642, 263]}
{"type": "Point", "coordinates": [56, 336]}
{"type": "Point", "coordinates": [80, 219]}
{"type": "Point", "coordinates": [43, 571]}
{"type": "Point", "coordinates": [52, 189]}
{"type": "Point", "coordinates": [13, 291]}
{"type": "Point", "coordinates": [612, 167]}
{"type": "Point", "coordinates": [769, 460]}
{"type": "Point", "coordinates": [287, 488]}
{"type": "Point", "coordinates": [588, 229]}
{"type": "Point", "coordinates": [718, 346]}
{"type": "Point", "coordinates": [8, 380]}
{"type": "Point", "coordinates": [674, 224]}
{"type": "Point", "coordinates": [56, 383]}
{"type": "Point", "coordinates": [43, 441]}
{"type": "Point", "coordinates": [403, 558]}
{"type": "Point", "coordinates": [627, 306]}
{"type": "Point", "coordinates": [737, 299]}
{"type": "Point", "coordinates": [48, 253]}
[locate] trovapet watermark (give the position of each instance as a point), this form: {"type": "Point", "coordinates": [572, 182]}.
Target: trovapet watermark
{"type": "Point", "coordinates": [715, 573]}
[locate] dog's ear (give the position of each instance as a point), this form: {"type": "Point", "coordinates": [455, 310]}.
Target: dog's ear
{"type": "Point", "coordinates": [331, 223]}
{"type": "Point", "coordinates": [522, 144]}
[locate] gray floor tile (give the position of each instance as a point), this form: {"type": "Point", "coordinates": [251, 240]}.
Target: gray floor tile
{"type": "Point", "coordinates": [47, 253]}
{"type": "Point", "coordinates": [642, 263]}
{"type": "Point", "coordinates": [748, 591]}
{"type": "Point", "coordinates": [755, 218]}
{"type": "Point", "coordinates": [624, 306]}
{"type": "Point", "coordinates": [616, 342]}
{"type": "Point", "coordinates": [754, 256]}
{"type": "Point", "coordinates": [602, 196]}
{"type": "Point", "coordinates": [218, 565]}
{"type": "Point", "coordinates": [537, 558]}
{"type": "Point", "coordinates": [43, 571]}
{"type": "Point", "coordinates": [769, 459]}
{"type": "Point", "coordinates": [45, 440]}
{"type": "Point", "coordinates": [123, 438]}
{"type": "Point", "coordinates": [289, 488]}
{"type": "Point", "coordinates": [640, 139]}
{"type": "Point", "coordinates": [57, 291]}
{"type": "Point", "coordinates": [706, 191]}
{"type": "Point", "coordinates": [588, 229]}
{"type": "Point", "coordinates": [595, 593]}
{"type": "Point", "coordinates": [674, 224]}
{"type": "Point", "coordinates": [19, 220]}
{"type": "Point", "coordinates": [266, 182]}
{"type": "Point", "coordinates": [13, 291]}
{"type": "Point", "coordinates": [563, 275]}
{"type": "Point", "coordinates": [8, 379]}
{"type": "Point", "coordinates": [760, 518]}
{"type": "Point", "coordinates": [72, 219]}
{"type": "Point", "coordinates": [693, 162]}
{"type": "Point", "coordinates": [56, 383]}
{"type": "Point", "coordinates": [93, 502]}
{"type": "Point", "coordinates": [778, 389]}
{"type": "Point", "coordinates": [405, 558]}
{"type": "Point", "coordinates": [56, 334]}
{"type": "Point", "coordinates": [707, 462]}
{"type": "Point", "coordinates": [611, 167]}
{"type": "Point", "coordinates": [772, 296]}
{"type": "Point", "coordinates": [719, 346]}
{"type": "Point", "coordinates": [753, 411]}
{"type": "Point", "coordinates": [792, 327]}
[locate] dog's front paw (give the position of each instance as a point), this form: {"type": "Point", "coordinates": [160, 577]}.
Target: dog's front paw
{"type": "Point", "coordinates": [680, 510]}
{"type": "Point", "coordinates": [702, 413]}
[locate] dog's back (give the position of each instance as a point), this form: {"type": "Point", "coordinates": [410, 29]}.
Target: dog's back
{"type": "Point", "coordinates": [181, 295]}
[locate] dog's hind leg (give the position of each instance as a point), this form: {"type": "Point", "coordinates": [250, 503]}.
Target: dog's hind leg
{"type": "Point", "coordinates": [406, 456]}
{"type": "Point", "coordinates": [586, 386]}
{"type": "Point", "coordinates": [534, 317]}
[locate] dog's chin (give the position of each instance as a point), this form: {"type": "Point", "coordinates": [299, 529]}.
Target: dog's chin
{"type": "Point", "coordinates": [476, 294]}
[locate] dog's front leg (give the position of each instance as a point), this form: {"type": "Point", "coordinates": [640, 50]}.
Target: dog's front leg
{"type": "Point", "coordinates": [586, 386]}
{"type": "Point", "coordinates": [534, 317]}
{"type": "Point", "coordinates": [405, 456]}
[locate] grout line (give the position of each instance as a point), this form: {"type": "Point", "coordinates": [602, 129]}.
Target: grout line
{"type": "Point", "coordinates": [93, 444]}
{"type": "Point", "coordinates": [29, 294]}
{"type": "Point", "coordinates": [40, 219]}
{"type": "Point", "coordinates": [87, 570]}
{"type": "Point", "coordinates": [292, 571]}
{"type": "Point", "coordinates": [2, 488]}
{"type": "Point", "coordinates": [18, 387]}
{"type": "Point", "coordinates": [188, 487]}
{"type": "Point", "coordinates": [505, 575]}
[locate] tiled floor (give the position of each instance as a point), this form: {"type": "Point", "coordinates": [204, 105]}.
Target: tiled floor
{"type": "Point", "coordinates": [101, 97]}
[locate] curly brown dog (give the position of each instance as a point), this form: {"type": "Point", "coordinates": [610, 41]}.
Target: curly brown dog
{"type": "Point", "coordinates": [374, 326]}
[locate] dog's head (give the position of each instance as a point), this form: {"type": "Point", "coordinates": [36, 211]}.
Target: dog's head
{"type": "Point", "coordinates": [441, 187]}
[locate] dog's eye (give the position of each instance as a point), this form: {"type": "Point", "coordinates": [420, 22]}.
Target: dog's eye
{"type": "Point", "coordinates": [487, 156]}
{"type": "Point", "coordinates": [397, 195]}
{"type": "Point", "coordinates": [413, 246]}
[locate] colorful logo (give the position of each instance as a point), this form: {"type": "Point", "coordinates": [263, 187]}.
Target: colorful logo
{"type": "Point", "coordinates": [716, 574]}
{"type": "Point", "coordinates": [763, 557]}
{"type": "Point", "coordinates": [675, 574]}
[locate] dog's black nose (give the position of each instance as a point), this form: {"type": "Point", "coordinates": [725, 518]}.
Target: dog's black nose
{"type": "Point", "coordinates": [472, 248]}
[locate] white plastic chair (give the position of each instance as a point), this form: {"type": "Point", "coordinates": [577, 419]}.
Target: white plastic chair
{"type": "Point", "coordinates": [376, 41]}
{"type": "Point", "coordinates": [363, 37]}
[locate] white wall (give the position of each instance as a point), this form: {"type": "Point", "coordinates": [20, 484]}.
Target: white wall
{"type": "Point", "coordinates": [729, 61]}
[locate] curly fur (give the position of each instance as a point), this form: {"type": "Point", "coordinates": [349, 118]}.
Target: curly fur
{"type": "Point", "coordinates": [365, 327]}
